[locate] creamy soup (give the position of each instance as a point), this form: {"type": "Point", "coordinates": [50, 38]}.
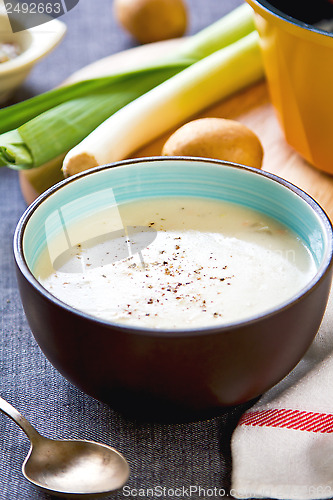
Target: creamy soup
{"type": "Point", "coordinates": [176, 263]}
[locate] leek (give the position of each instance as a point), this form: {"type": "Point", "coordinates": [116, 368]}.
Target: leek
{"type": "Point", "coordinates": [213, 78]}
{"type": "Point", "coordinates": [47, 126]}
{"type": "Point", "coordinates": [58, 129]}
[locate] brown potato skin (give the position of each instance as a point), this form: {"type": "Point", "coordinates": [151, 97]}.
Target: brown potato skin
{"type": "Point", "coordinates": [152, 20]}
{"type": "Point", "coordinates": [217, 138]}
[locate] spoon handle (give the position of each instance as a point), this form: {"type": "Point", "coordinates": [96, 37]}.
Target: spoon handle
{"type": "Point", "coordinates": [11, 412]}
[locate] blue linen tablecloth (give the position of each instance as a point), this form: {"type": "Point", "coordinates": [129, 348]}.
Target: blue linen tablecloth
{"type": "Point", "coordinates": [189, 460]}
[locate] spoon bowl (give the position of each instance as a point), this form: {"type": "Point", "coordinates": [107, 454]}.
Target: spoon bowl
{"type": "Point", "coordinates": [69, 468]}
{"type": "Point", "coordinates": [73, 468]}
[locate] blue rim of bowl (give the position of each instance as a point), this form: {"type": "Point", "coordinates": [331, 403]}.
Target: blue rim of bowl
{"type": "Point", "coordinates": [164, 332]}
{"type": "Point", "coordinates": [270, 9]}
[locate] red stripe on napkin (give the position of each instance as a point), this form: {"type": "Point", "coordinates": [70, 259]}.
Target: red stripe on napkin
{"type": "Point", "coordinates": [290, 419]}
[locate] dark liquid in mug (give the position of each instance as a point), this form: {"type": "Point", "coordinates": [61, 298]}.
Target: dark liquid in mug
{"type": "Point", "coordinates": [309, 12]}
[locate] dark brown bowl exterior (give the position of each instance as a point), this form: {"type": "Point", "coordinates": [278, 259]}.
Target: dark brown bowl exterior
{"type": "Point", "coordinates": [179, 374]}
{"type": "Point", "coordinates": [176, 374]}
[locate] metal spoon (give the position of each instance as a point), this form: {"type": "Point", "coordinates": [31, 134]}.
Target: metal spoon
{"type": "Point", "coordinates": [69, 468]}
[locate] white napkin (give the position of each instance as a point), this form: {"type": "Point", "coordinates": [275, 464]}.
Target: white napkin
{"type": "Point", "coordinates": [283, 446]}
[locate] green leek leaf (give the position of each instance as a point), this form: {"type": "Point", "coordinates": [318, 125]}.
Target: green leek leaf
{"type": "Point", "coordinates": [14, 150]}
{"type": "Point", "coordinates": [47, 126]}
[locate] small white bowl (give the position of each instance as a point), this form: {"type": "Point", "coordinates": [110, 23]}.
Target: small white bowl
{"type": "Point", "coordinates": [34, 43]}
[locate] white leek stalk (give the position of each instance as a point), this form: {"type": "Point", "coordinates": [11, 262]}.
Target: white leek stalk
{"type": "Point", "coordinates": [36, 131]}
{"type": "Point", "coordinates": [169, 104]}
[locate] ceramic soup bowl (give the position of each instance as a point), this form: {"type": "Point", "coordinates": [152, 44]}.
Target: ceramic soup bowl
{"type": "Point", "coordinates": [183, 372]}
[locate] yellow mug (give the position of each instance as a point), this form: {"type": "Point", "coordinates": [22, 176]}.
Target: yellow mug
{"type": "Point", "coordinates": [298, 60]}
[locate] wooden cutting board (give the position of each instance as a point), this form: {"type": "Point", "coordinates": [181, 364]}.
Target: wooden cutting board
{"type": "Point", "coordinates": [251, 107]}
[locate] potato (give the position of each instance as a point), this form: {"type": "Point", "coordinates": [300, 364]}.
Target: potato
{"type": "Point", "coordinates": [152, 20]}
{"type": "Point", "coordinates": [217, 138]}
